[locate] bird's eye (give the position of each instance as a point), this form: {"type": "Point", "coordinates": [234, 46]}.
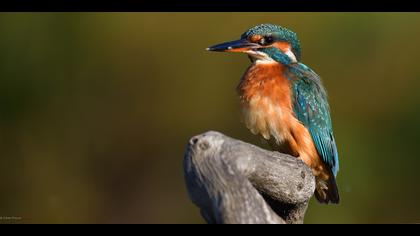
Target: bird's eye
{"type": "Point", "coordinates": [267, 40]}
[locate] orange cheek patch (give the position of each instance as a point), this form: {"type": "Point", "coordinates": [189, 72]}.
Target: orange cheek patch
{"type": "Point", "coordinates": [255, 38]}
{"type": "Point", "coordinates": [283, 46]}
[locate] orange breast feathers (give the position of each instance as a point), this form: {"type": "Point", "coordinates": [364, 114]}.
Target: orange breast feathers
{"type": "Point", "coordinates": [267, 110]}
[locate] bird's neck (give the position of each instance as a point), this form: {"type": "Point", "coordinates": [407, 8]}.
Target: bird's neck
{"type": "Point", "coordinates": [265, 80]}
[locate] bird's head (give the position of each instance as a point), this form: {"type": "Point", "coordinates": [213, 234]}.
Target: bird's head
{"type": "Point", "coordinates": [265, 43]}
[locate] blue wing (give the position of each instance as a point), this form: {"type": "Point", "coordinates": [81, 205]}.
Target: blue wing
{"type": "Point", "coordinates": [311, 107]}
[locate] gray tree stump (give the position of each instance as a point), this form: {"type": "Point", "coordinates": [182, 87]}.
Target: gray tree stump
{"type": "Point", "coordinates": [235, 182]}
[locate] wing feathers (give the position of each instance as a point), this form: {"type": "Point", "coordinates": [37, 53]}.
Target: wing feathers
{"type": "Point", "coordinates": [311, 107]}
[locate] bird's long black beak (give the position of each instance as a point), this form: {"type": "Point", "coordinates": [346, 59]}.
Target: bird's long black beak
{"type": "Point", "coordinates": [241, 45]}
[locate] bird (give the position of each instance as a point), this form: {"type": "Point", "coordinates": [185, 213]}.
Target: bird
{"type": "Point", "coordinates": [285, 102]}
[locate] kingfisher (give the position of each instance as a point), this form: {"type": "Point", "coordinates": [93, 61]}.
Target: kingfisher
{"type": "Point", "coordinates": [284, 101]}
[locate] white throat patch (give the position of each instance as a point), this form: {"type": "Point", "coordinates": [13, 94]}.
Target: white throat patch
{"type": "Point", "coordinates": [261, 57]}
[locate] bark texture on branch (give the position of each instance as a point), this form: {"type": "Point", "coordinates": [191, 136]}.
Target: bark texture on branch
{"type": "Point", "coordinates": [235, 182]}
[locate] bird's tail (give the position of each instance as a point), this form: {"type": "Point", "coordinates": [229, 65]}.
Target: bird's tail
{"type": "Point", "coordinates": [327, 191]}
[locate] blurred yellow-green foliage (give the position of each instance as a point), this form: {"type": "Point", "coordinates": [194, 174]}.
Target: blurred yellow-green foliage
{"type": "Point", "coordinates": [96, 110]}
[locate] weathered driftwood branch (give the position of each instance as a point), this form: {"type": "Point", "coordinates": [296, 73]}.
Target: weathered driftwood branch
{"type": "Point", "coordinates": [236, 182]}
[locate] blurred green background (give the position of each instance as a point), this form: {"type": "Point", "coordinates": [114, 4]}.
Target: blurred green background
{"type": "Point", "coordinates": [96, 110]}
